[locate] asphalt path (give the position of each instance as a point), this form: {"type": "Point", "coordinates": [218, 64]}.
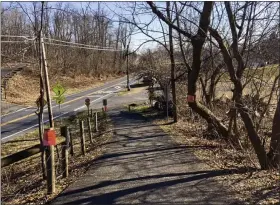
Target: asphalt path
{"type": "Point", "coordinates": [25, 120]}
{"type": "Point", "coordinates": [143, 165]}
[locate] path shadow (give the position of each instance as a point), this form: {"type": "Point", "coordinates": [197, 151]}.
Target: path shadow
{"type": "Point", "coordinates": [110, 197]}
{"type": "Point", "coordinates": [138, 85]}
{"type": "Point", "coordinates": [143, 164]}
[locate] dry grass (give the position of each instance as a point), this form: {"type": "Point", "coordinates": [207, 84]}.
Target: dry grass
{"type": "Point", "coordinates": [132, 91]}
{"type": "Point", "coordinates": [22, 182]}
{"type": "Point", "coordinates": [23, 88]}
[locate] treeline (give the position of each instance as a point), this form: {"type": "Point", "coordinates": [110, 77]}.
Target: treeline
{"type": "Point", "coordinates": [65, 22]}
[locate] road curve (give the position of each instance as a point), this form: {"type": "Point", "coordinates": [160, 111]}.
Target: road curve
{"type": "Point", "coordinates": [25, 120]}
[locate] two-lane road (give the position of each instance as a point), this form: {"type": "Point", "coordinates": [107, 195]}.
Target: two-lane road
{"type": "Point", "coordinates": [25, 120]}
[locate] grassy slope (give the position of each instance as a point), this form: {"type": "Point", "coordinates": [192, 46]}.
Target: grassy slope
{"type": "Point", "coordinates": [23, 88]}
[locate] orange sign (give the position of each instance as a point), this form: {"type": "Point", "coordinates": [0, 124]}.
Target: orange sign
{"type": "Point", "coordinates": [49, 137]}
{"type": "Point", "coordinates": [191, 98]}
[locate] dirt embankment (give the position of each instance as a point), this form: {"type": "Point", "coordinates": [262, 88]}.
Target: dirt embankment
{"type": "Point", "coordinates": [23, 88]}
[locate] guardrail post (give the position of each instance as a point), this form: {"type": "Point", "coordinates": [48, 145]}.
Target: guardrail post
{"type": "Point", "coordinates": [96, 122]}
{"type": "Point", "coordinates": [71, 143]}
{"type": "Point", "coordinates": [89, 130]}
{"type": "Point", "coordinates": [65, 146]}
{"type": "Point", "coordinates": [82, 135]}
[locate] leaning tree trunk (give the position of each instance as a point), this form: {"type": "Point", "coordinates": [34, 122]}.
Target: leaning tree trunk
{"type": "Point", "coordinates": [197, 43]}
{"type": "Point", "coordinates": [235, 77]}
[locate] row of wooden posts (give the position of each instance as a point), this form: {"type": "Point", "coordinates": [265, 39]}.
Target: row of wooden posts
{"type": "Point", "coordinates": [67, 145]}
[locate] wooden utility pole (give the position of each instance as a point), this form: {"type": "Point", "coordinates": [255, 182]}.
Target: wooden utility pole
{"type": "Point", "coordinates": [41, 105]}
{"type": "Point", "coordinates": [50, 169]}
{"type": "Point", "coordinates": [49, 149]}
{"type": "Point", "coordinates": [47, 84]}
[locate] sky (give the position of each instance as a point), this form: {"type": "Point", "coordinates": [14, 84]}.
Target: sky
{"type": "Point", "coordinates": [115, 9]}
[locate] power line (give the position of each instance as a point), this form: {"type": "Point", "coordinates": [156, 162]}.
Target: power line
{"type": "Point", "coordinates": [30, 38]}
{"type": "Point", "coordinates": [86, 46]}
{"type": "Point", "coordinates": [78, 43]}
{"type": "Point", "coordinates": [15, 42]}
{"type": "Point", "coordinates": [98, 49]}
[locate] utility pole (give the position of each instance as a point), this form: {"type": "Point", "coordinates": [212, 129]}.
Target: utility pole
{"type": "Point", "coordinates": [51, 177]}
{"type": "Point", "coordinates": [47, 84]}
{"type": "Point", "coordinates": [127, 73]}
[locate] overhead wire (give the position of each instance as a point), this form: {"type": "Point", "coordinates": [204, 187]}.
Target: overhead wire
{"type": "Point", "coordinates": [88, 48]}
{"type": "Point", "coordinates": [15, 42]}
{"type": "Point", "coordinates": [30, 38]}
{"type": "Point", "coordinates": [70, 44]}
{"type": "Point", "coordinates": [77, 43]}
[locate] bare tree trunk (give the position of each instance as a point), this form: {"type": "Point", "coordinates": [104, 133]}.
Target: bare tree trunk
{"type": "Point", "coordinates": [171, 54]}
{"type": "Point", "coordinates": [197, 42]}
{"type": "Point", "coordinates": [274, 152]}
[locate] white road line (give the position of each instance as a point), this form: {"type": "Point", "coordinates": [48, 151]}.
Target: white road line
{"type": "Point", "coordinates": [58, 115]}
{"type": "Point", "coordinates": [16, 111]}
{"type": "Point", "coordinates": [94, 101]}
{"type": "Point", "coordinates": [33, 126]}
{"type": "Point", "coordinates": [65, 106]}
{"type": "Point", "coordinates": [94, 96]}
{"type": "Point", "coordinates": [65, 102]}
{"type": "Point", "coordinates": [95, 87]}
{"type": "Point", "coordinates": [79, 108]}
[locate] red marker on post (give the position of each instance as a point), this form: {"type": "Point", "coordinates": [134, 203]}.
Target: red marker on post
{"type": "Point", "coordinates": [49, 137]}
{"type": "Point", "coordinates": [191, 98]}
{"type": "Point", "coordinates": [87, 103]}
{"type": "Point", "coordinates": [105, 105]}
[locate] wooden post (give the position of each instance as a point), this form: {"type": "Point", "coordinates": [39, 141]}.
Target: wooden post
{"type": "Point", "coordinates": [71, 143]}
{"type": "Point", "coordinates": [64, 131]}
{"type": "Point", "coordinates": [167, 101]}
{"type": "Point", "coordinates": [82, 135]}
{"type": "Point", "coordinates": [41, 105]}
{"type": "Point", "coordinates": [127, 72]}
{"type": "Point", "coordinates": [96, 122]}
{"type": "Point", "coordinates": [50, 169]}
{"type": "Point", "coordinates": [89, 130]}
{"type": "Point", "coordinates": [47, 83]}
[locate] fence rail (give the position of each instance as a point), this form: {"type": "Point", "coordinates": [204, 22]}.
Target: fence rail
{"type": "Point", "coordinates": [21, 155]}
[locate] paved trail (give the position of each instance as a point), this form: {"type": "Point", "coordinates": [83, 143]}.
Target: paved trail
{"type": "Point", "coordinates": [142, 165]}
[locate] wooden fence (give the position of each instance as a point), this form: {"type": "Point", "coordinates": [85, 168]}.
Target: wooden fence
{"type": "Point", "coordinates": [66, 144]}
